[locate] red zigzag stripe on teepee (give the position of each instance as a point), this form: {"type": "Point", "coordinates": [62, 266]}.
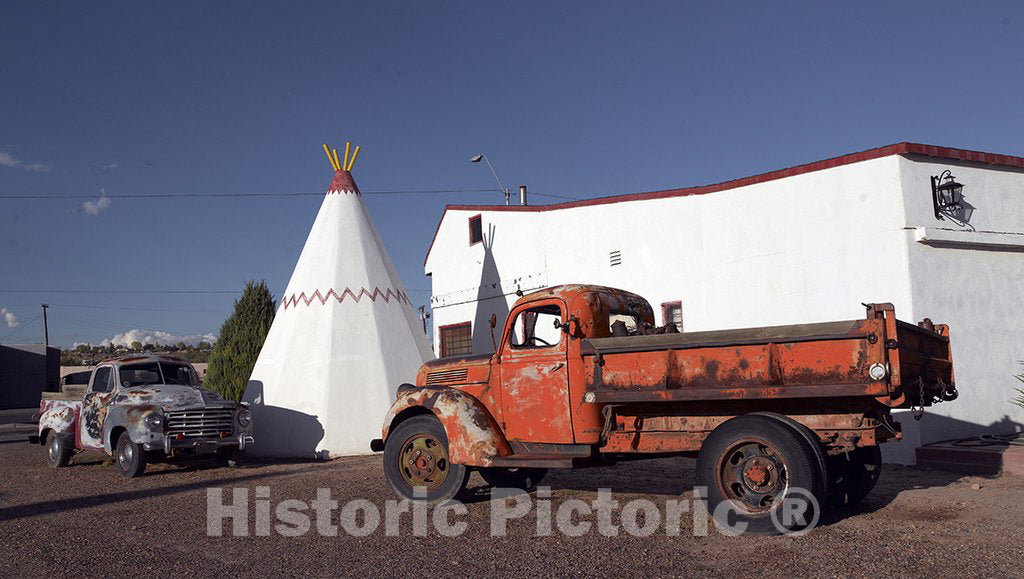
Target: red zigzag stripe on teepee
{"type": "Point", "coordinates": [387, 296]}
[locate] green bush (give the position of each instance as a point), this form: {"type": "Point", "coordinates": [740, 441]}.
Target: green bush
{"type": "Point", "coordinates": [241, 337]}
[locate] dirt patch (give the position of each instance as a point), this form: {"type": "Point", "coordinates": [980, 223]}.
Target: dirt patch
{"type": "Point", "coordinates": [84, 519]}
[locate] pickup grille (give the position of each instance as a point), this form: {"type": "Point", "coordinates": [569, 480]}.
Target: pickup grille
{"type": "Point", "coordinates": [201, 423]}
{"type": "Point", "coordinates": [446, 376]}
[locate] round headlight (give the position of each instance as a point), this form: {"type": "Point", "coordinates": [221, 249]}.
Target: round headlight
{"type": "Point", "coordinates": [155, 421]}
{"type": "Point", "coordinates": [244, 418]}
{"type": "Point", "coordinates": [877, 371]}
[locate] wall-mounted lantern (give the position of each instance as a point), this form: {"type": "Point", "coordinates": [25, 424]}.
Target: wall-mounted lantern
{"type": "Point", "coordinates": [947, 194]}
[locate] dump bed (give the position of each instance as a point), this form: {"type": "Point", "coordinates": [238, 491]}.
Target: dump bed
{"type": "Point", "coordinates": [878, 357]}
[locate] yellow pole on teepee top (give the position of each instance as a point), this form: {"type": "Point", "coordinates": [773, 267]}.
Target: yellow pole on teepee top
{"type": "Point", "coordinates": [331, 159]}
{"type": "Point", "coordinates": [352, 161]}
{"type": "Point", "coordinates": [348, 146]}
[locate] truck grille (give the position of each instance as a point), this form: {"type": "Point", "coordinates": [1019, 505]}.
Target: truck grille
{"type": "Point", "coordinates": [446, 376]}
{"type": "Point", "coordinates": [201, 423]}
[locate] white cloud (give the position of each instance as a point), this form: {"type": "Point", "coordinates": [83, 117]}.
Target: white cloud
{"type": "Point", "coordinates": [8, 160]}
{"type": "Point", "coordinates": [109, 167]}
{"type": "Point", "coordinates": [9, 318]}
{"type": "Point", "coordinates": [94, 207]}
{"type": "Point", "coordinates": [156, 337]}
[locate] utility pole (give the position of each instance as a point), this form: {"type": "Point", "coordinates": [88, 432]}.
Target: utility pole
{"type": "Point", "coordinates": [423, 317]}
{"type": "Point", "coordinates": [46, 326]}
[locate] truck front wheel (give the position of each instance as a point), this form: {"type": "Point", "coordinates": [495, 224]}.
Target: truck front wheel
{"type": "Point", "coordinates": [129, 457]}
{"type": "Point", "coordinates": [58, 453]}
{"type": "Point", "coordinates": [416, 461]}
{"type": "Point", "coordinates": [760, 477]}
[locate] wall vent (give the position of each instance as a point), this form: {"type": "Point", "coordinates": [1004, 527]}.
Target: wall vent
{"type": "Point", "coordinates": [615, 258]}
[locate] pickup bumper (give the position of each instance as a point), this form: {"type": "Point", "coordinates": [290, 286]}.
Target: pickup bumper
{"type": "Point", "coordinates": [199, 445]}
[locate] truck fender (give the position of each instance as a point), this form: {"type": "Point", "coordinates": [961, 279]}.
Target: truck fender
{"type": "Point", "coordinates": [59, 416]}
{"type": "Point", "coordinates": [131, 419]}
{"type": "Point", "coordinates": [474, 437]}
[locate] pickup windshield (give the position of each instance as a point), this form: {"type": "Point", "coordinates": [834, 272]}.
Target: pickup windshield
{"type": "Point", "coordinates": [156, 373]}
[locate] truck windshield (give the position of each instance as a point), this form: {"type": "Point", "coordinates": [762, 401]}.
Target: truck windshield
{"type": "Point", "coordinates": [156, 373]}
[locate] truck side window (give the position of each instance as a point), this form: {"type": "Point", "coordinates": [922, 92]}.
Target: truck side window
{"type": "Point", "coordinates": [535, 328]}
{"type": "Point", "coordinates": [101, 382]}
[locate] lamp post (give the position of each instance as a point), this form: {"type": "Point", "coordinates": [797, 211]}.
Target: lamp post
{"type": "Point", "coordinates": [481, 156]}
{"type": "Point", "coordinates": [947, 194]}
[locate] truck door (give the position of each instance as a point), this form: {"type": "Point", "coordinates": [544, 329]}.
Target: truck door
{"type": "Point", "coordinates": [534, 376]}
{"type": "Point", "coordinates": [94, 407]}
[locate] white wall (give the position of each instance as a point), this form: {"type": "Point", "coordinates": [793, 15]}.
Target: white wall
{"type": "Point", "coordinates": [974, 281]}
{"type": "Point", "coordinates": [806, 248]}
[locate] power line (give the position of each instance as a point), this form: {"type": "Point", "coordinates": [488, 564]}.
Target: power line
{"type": "Point", "coordinates": [89, 291]}
{"type": "Point", "coordinates": [21, 327]}
{"type": "Point", "coordinates": [229, 195]}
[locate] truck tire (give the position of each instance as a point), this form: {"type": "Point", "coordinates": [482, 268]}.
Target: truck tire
{"type": "Point", "coordinates": [513, 478]}
{"type": "Point", "coordinates": [416, 459]}
{"type": "Point", "coordinates": [229, 457]}
{"type": "Point", "coordinates": [129, 457]}
{"type": "Point", "coordinates": [853, 474]}
{"type": "Point", "coordinates": [760, 477]}
{"type": "Point", "coordinates": [58, 452]}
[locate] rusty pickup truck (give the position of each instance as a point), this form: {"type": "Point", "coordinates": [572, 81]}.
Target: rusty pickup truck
{"type": "Point", "coordinates": [142, 409]}
{"type": "Point", "coordinates": [582, 377]}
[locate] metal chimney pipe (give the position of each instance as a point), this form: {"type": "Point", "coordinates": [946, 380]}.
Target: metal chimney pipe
{"type": "Point", "coordinates": [522, 194]}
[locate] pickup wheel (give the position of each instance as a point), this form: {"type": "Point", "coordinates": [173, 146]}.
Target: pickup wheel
{"type": "Point", "coordinates": [416, 459]}
{"type": "Point", "coordinates": [229, 457]}
{"type": "Point", "coordinates": [58, 453]}
{"type": "Point", "coordinates": [761, 477]}
{"type": "Point", "coordinates": [129, 457]}
{"type": "Point", "coordinates": [513, 478]}
{"type": "Point", "coordinates": [853, 474]}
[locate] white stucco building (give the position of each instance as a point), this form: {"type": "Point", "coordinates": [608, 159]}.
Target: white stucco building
{"type": "Point", "coordinates": [804, 244]}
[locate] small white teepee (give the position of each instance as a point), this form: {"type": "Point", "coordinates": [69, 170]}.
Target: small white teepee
{"type": "Point", "coordinates": [344, 338]}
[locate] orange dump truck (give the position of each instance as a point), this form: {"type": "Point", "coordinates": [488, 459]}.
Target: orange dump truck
{"type": "Point", "coordinates": [581, 377]}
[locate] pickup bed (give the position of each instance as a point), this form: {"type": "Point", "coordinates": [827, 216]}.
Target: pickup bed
{"type": "Point", "coordinates": [141, 409]}
{"type": "Point", "coordinates": [581, 377]}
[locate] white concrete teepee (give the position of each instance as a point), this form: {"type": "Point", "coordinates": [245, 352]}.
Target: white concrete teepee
{"type": "Point", "coordinates": [344, 338]}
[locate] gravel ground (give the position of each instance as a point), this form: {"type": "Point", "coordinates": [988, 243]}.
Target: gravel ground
{"type": "Point", "coordinates": [86, 520]}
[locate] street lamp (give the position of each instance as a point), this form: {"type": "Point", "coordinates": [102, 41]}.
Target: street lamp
{"type": "Point", "coordinates": [947, 194]}
{"type": "Point", "coordinates": [481, 156]}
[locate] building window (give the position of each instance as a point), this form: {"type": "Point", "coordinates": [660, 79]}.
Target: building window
{"type": "Point", "coordinates": [476, 230]}
{"type": "Point", "coordinates": [456, 339]}
{"type": "Point", "coordinates": [672, 313]}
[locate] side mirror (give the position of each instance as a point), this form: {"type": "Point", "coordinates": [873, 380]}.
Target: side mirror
{"type": "Point", "coordinates": [493, 321]}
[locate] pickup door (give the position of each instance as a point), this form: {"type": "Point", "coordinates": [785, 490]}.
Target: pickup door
{"type": "Point", "coordinates": [534, 375]}
{"type": "Point", "coordinates": [94, 407]}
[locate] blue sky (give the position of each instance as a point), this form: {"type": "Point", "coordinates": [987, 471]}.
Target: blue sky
{"type": "Point", "coordinates": [571, 98]}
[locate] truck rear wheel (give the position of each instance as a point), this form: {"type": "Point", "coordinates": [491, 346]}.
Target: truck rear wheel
{"type": "Point", "coordinates": [853, 474]}
{"type": "Point", "coordinates": [129, 457]}
{"type": "Point", "coordinates": [58, 453]}
{"type": "Point", "coordinates": [761, 477]}
{"type": "Point", "coordinates": [416, 461]}
{"type": "Point", "coordinates": [513, 478]}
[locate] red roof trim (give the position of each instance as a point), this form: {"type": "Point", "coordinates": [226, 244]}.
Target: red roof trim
{"type": "Point", "coordinates": [896, 149]}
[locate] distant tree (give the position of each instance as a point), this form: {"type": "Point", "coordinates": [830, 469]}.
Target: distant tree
{"type": "Point", "coordinates": [82, 348]}
{"type": "Point", "coordinates": [180, 345]}
{"type": "Point", "coordinates": [149, 347]}
{"type": "Point", "coordinates": [241, 338]}
{"type": "Point", "coordinates": [204, 345]}
{"type": "Point", "coordinates": [136, 346]}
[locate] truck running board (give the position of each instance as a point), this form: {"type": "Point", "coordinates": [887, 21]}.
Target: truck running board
{"type": "Point", "coordinates": [533, 461]}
